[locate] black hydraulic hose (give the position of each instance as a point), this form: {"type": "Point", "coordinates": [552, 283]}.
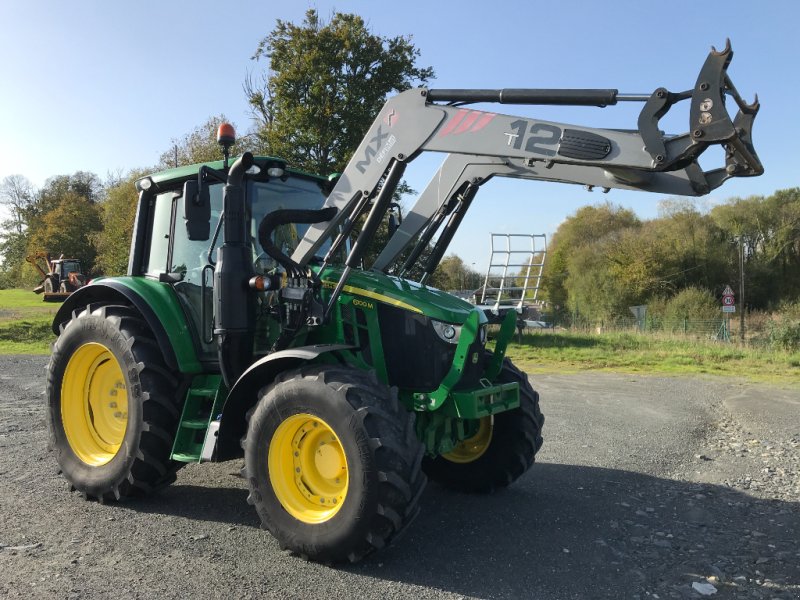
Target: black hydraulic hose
{"type": "Point", "coordinates": [379, 208]}
{"type": "Point", "coordinates": [450, 229]}
{"type": "Point", "coordinates": [347, 227]}
{"type": "Point", "coordinates": [284, 217]}
{"type": "Point", "coordinates": [428, 234]}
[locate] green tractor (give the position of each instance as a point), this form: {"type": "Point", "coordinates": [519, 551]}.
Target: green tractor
{"type": "Point", "coordinates": [249, 326]}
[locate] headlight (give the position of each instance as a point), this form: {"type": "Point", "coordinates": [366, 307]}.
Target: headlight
{"type": "Point", "coordinates": [446, 331]}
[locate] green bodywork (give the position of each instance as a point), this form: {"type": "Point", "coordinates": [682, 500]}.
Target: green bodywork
{"type": "Point", "coordinates": [445, 415]}
{"type": "Point", "coordinates": [162, 300]}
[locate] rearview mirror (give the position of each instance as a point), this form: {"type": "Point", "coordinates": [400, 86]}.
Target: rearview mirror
{"type": "Point", "coordinates": [197, 210]}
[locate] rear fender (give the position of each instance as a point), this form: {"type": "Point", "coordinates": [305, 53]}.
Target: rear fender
{"type": "Point", "coordinates": [244, 393]}
{"type": "Point", "coordinates": [157, 304]}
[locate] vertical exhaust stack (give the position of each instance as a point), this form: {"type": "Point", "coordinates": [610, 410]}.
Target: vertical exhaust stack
{"type": "Point", "coordinates": [234, 303]}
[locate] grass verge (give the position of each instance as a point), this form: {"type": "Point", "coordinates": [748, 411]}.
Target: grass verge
{"type": "Point", "coordinates": [27, 336]}
{"type": "Point", "coordinates": [632, 353]}
{"type": "Point", "coordinates": [25, 323]}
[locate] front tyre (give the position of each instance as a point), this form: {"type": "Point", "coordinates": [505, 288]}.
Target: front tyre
{"type": "Point", "coordinates": [112, 408]}
{"type": "Point", "coordinates": [333, 463]}
{"type": "Point", "coordinates": [502, 448]}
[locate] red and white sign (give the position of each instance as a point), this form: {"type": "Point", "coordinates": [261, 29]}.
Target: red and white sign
{"type": "Point", "coordinates": [728, 301]}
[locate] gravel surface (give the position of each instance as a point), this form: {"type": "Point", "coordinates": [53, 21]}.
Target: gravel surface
{"type": "Point", "coordinates": [645, 488]}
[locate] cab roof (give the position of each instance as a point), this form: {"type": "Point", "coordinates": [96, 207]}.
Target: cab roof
{"type": "Point", "coordinates": [189, 171]}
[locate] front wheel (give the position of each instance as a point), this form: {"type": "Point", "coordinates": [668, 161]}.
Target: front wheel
{"type": "Point", "coordinates": [333, 463]}
{"type": "Point", "coordinates": [112, 405]}
{"type": "Point", "coordinates": [502, 447]}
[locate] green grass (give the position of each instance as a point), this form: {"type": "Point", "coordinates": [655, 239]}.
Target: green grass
{"type": "Point", "coordinates": [25, 322]}
{"type": "Point", "coordinates": [634, 353]}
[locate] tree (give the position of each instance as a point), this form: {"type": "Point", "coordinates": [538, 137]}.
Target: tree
{"type": "Point", "coordinates": [769, 231]}
{"type": "Point", "coordinates": [200, 145]}
{"type": "Point", "coordinates": [118, 212]}
{"type": "Point", "coordinates": [63, 218]}
{"type": "Point", "coordinates": [68, 229]}
{"type": "Point", "coordinates": [324, 84]}
{"type": "Point", "coordinates": [17, 194]}
{"type": "Point", "coordinates": [454, 274]}
{"type": "Point", "coordinates": [568, 259]}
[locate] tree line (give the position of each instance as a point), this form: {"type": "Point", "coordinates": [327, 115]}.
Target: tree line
{"type": "Point", "coordinates": [604, 259]}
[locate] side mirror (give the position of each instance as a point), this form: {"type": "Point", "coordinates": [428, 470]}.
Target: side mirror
{"type": "Point", "coordinates": [197, 210]}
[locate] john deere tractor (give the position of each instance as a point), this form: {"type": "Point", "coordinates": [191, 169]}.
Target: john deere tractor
{"type": "Point", "coordinates": [249, 325]}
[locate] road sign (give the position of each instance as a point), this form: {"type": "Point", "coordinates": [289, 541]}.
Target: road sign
{"type": "Point", "coordinates": [727, 291]}
{"type": "Point", "coordinates": [729, 309]}
{"type": "Point", "coordinates": [728, 301]}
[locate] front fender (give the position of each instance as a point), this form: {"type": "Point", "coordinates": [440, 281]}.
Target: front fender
{"type": "Point", "coordinates": [155, 301]}
{"type": "Point", "coordinates": [244, 393]}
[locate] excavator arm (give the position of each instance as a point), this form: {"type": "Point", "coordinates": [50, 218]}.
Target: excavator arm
{"type": "Point", "coordinates": [482, 144]}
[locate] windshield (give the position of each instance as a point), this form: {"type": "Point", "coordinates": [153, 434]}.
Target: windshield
{"type": "Point", "coordinates": [266, 197]}
{"type": "Point", "coordinates": [70, 266]}
{"type": "Point", "coordinates": [189, 258]}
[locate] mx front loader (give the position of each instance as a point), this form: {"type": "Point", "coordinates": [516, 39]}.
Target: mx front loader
{"type": "Point", "coordinates": [248, 325]}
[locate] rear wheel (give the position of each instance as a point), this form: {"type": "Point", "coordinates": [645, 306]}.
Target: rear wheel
{"type": "Point", "coordinates": [112, 409]}
{"type": "Point", "coordinates": [501, 449]}
{"type": "Point", "coordinates": [332, 462]}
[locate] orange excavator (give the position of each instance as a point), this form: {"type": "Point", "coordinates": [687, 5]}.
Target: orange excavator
{"type": "Point", "coordinates": [63, 276]}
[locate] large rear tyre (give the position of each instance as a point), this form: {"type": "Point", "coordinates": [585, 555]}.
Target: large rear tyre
{"type": "Point", "coordinates": [333, 463]}
{"type": "Point", "coordinates": [112, 405]}
{"type": "Point", "coordinates": [502, 449]}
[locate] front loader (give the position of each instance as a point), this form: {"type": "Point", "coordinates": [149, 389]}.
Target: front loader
{"type": "Point", "coordinates": [249, 326]}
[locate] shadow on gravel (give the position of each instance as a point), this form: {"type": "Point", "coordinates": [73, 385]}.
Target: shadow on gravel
{"type": "Point", "coordinates": [565, 531]}
{"type": "Point", "coordinates": [200, 503]}
{"type": "Point", "coordinates": [584, 532]}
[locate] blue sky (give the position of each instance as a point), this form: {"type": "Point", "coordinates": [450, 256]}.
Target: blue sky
{"type": "Point", "coordinates": [105, 86]}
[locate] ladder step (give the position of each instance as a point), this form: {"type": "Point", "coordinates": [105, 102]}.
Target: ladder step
{"type": "Point", "coordinates": [183, 457]}
{"type": "Point", "coordinates": [194, 424]}
{"type": "Point", "coordinates": [204, 392]}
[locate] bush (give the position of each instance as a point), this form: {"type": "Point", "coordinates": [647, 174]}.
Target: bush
{"type": "Point", "coordinates": [784, 334]}
{"type": "Point", "coordinates": [694, 303]}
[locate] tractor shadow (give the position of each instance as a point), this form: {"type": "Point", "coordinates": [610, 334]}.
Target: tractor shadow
{"type": "Point", "coordinates": [568, 531]}
{"type": "Point", "coordinates": [214, 493]}
{"type": "Point", "coordinates": [562, 531]}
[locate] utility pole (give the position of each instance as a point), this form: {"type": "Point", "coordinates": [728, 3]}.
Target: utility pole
{"type": "Point", "coordinates": [741, 289]}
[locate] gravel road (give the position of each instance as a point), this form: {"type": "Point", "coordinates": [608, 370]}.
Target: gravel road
{"type": "Point", "coordinates": [645, 488]}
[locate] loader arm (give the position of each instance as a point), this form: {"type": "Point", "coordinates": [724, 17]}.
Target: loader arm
{"type": "Point", "coordinates": [483, 144]}
{"type": "Point", "coordinates": [34, 260]}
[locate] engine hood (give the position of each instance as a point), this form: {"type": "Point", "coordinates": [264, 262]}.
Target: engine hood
{"type": "Point", "coordinates": [402, 293]}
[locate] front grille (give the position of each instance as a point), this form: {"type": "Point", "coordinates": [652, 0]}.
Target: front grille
{"type": "Point", "coordinates": [416, 357]}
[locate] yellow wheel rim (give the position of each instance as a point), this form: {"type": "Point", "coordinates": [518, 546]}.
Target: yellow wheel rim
{"type": "Point", "coordinates": [473, 447]}
{"type": "Point", "coordinates": [94, 404]}
{"type": "Point", "coordinates": [308, 468]}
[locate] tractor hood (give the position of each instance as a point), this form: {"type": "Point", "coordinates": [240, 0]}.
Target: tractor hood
{"type": "Point", "coordinates": [402, 293]}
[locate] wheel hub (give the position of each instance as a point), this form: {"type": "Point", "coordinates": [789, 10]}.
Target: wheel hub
{"type": "Point", "coordinates": [308, 468]}
{"type": "Point", "coordinates": [473, 447]}
{"type": "Point", "coordinates": [94, 404]}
